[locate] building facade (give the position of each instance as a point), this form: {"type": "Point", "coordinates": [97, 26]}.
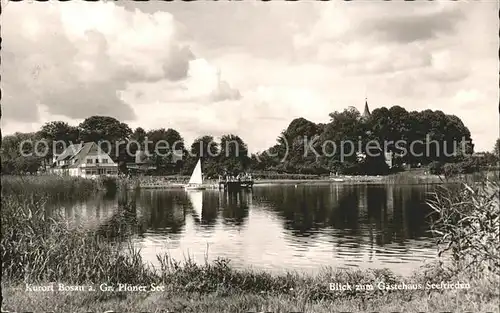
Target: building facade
{"type": "Point", "coordinates": [85, 160]}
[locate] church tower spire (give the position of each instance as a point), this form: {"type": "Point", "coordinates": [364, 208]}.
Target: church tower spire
{"type": "Point", "coordinates": [366, 113]}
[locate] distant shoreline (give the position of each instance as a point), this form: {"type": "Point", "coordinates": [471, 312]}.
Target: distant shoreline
{"type": "Point", "coordinates": [390, 179]}
{"type": "Point", "coordinates": [330, 182]}
{"type": "Point", "coordinates": [339, 180]}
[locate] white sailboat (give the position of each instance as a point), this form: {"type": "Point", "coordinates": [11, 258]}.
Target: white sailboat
{"type": "Point", "coordinates": [195, 181]}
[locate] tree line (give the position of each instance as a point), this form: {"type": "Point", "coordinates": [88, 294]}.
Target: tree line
{"type": "Point", "coordinates": [303, 147]}
{"type": "Point", "coordinates": [229, 154]}
{"type": "Point", "coordinates": [416, 138]}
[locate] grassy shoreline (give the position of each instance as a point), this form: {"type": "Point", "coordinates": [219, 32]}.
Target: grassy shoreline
{"type": "Point", "coordinates": [217, 287]}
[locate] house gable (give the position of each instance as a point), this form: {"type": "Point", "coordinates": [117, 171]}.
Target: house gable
{"type": "Point", "coordinates": [64, 159]}
{"type": "Point", "coordinates": [91, 153]}
{"type": "Point", "coordinates": [78, 154]}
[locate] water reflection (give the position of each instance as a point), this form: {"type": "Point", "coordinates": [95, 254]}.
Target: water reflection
{"type": "Point", "coordinates": [124, 221]}
{"type": "Point", "coordinates": [274, 227]}
{"type": "Point", "coordinates": [165, 212]}
{"type": "Point", "coordinates": [235, 206]}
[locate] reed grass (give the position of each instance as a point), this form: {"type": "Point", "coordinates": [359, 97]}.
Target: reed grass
{"type": "Point", "coordinates": [51, 187]}
{"type": "Point", "coordinates": [411, 179]}
{"type": "Point", "coordinates": [467, 222]}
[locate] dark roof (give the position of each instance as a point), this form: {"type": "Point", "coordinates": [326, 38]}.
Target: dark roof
{"type": "Point", "coordinates": [69, 152]}
{"type": "Point", "coordinates": [80, 156]}
{"type": "Point", "coordinates": [78, 152]}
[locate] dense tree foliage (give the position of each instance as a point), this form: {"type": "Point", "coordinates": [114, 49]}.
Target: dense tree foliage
{"type": "Point", "coordinates": [354, 145]}
{"type": "Point", "coordinates": [139, 135]}
{"type": "Point", "coordinates": [233, 156]}
{"type": "Point", "coordinates": [348, 143]}
{"type": "Point", "coordinates": [106, 129]}
{"type": "Point", "coordinates": [17, 156]}
{"type": "Point", "coordinates": [100, 128]}
{"type": "Point", "coordinates": [161, 145]}
{"type": "Point", "coordinates": [61, 133]}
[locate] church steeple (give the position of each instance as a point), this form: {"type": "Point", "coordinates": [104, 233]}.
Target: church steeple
{"type": "Point", "coordinates": [366, 113]}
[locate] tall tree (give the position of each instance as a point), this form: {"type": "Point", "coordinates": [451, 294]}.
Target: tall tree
{"type": "Point", "coordinates": [234, 155]}
{"type": "Point", "coordinates": [21, 154]}
{"type": "Point", "coordinates": [98, 128]}
{"type": "Point", "coordinates": [139, 135]}
{"type": "Point", "coordinates": [59, 135]}
{"type": "Point", "coordinates": [104, 128]}
{"type": "Point", "coordinates": [299, 135]}
{"type": "Point", "coordinates": [205, 147]}
{"type": "Point", "coordinates": [339, 140]}
{"type": "Point", "coordinates": [161, 145]}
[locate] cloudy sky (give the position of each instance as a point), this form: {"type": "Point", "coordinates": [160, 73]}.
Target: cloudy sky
{"type": "Point", "coordinates": [158, 64]}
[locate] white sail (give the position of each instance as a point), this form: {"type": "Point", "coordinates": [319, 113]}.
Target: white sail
{"type": "Point", "coordinates": [196, 176]}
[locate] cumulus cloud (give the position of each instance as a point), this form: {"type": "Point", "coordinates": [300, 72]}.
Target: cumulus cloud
{"type": "Point", "coordinates": [394, 21]}
{"type": "Point", "coordinates": [75, 58]}
{"type": "Point", "coordinates": [425, 23]}
{"type": "Point", "coordinates": [365, 39]}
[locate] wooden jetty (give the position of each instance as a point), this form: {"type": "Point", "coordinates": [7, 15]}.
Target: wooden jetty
{"type": "Point", "coordinates": [236, 184]}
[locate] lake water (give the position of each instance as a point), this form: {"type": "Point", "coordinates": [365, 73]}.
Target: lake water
{"type": "Point", "coordinates": [276, 227]}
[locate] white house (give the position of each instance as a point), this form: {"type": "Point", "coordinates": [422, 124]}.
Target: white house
{"type": "Point", "coordinates": [84, 160]}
